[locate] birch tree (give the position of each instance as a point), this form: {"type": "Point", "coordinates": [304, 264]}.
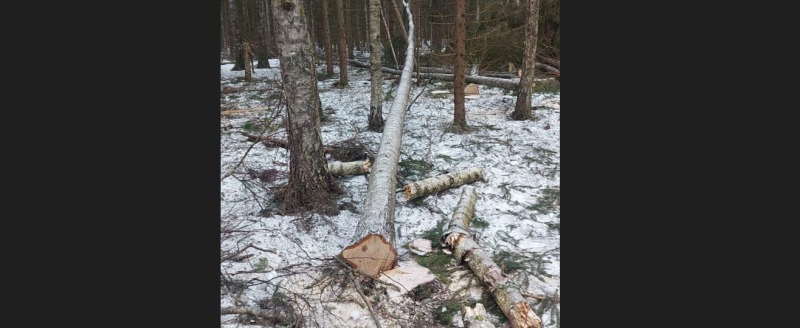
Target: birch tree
{"type": "Point", "coordinates": [376, 78]}
{"type": "Point", "coordinates": [309, 181]}
{"type": "Point", "coordinates": [373, 250]}
{"type": "Point", "coordinates": [522, 109]}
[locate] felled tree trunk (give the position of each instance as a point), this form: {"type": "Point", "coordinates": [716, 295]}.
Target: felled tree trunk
{"type": "Point", "coordinates": [373, 250]}
{"type": "Point", "coordinates": [506, 295]}
{"type": "Point", "coordinates": [442, 182]}
{"type": "Point", "coordinates": [349, 168]}
{"type": "Point", "coordinates": [483, 80]}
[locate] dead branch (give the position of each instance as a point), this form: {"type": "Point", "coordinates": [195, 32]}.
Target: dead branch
{"type": "Point", "coordinates": [483, 80]}
{"type": "Point", "coordinates": [364, 298]}
{"type": "Point", "coordinates": [349, 168]}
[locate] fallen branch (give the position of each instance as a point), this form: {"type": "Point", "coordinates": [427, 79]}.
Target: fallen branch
{"type": "Point", "coordinates": [442, 182]}
{"type": "Point", "coordinates": [506, 295]}
{"type": "Point", "coordinates": [364, 298]}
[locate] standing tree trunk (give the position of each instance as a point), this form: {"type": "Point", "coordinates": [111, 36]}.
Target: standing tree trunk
{"type": "Point", "coordinates": [342, 44]}
{"type": "Point", "coordinates": [399, 17]}
{"type": "Point", "coordinates": [263, 37]}
{"type": "Point", "coordinates": [459, 32]}
{"type": "Point", "coordinates": [376, 77]}
{"type": "Point", "coordinates": [522, 109]}
{"type": "Point", "coordinates": [309, 181]}
{"type": "Point", "coordinates": [326, 28]}
{"type": "Point", "coordinates": [234, 37]}
{"type": "Point", "coordinates": [373, 250]}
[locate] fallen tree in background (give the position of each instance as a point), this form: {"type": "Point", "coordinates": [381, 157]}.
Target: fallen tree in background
{"type": "Point", "coordinates": [373, 250]}
{"type": "Point", "coordinates": [441, 182]}
{"type": "Point", "coordinates": [506, 294]}
{"type": "Point", "coordinates": [483, 80]}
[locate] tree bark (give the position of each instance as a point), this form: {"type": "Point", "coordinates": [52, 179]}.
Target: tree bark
{"type": "Point", "coordinates": [506, 295]}
{"type": "Point", "coordinates": [349, 168]}
{"type": "Point", "coordinates": [309, 180]}
{"type": "Point", "coordinates": [326, 28]}
{"type": "Point", "coordinates": [342, 44]}
{"type": "Point", "coordinates": [459, 31]}
{"type": "Point", "coordinates": [377, 221]}
{"type": "Point", "coordinates": [438, 183]}
{"type": "Point", "coordinates": [399, 18]}
{"type": "Point", "coordinates": [522, 109]}
{"type": "Point", "coordinates": [376, 78]}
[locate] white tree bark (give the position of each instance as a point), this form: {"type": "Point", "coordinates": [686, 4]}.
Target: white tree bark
{"type": "Point", "coordinates": [438, 183]}
{"type": "Point", "coordinates": [349, 168]}
{"type": "Point", "coordinates": [379, 206]}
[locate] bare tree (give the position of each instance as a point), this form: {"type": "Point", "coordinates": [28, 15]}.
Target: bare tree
{"type": "Point", "coordinates": [342, 44]}
{"type": "Point", "coordinates": [326, 31]}
{"type": "Point", "coordinates": [459, 32]}
{"type": "Point", "coordinates": [376, 78]}
{"type": "Point", "coordinates": [522, 109]}
{"type": "Point", "coordinates": [309, 181]}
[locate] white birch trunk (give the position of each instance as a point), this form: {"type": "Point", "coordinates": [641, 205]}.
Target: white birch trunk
{"type": "Point", "coordinates": [506, 295]}
{"type": "Point", "coordinates": [349, 168]}
{"type": "Point", "coordinates": [442, 182]}
{"type": "Point", "coordinates": [377, 220]}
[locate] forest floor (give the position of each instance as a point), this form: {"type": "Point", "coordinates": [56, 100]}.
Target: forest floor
{"type": "Point", "coordinates": [283, 265]}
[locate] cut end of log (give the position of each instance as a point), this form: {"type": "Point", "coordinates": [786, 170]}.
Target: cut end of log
{"type": "Point", "coordinates": [367, 165]}
{"type": "Point", "coordinates": [408, 191]}
{"type": "Point", "coordinates": [371, 255]}
{"type": "Point", "coordinates": [527, 318]}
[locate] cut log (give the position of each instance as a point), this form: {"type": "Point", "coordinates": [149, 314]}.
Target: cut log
{"type": "Point", "coordinates": [505, 293]}
{"type": "Point", "coordinates": [371, 255]}
{"type": "Point", "coordinates": [442, 182]}
{"type": "Point", "coordinates": [349, 168]}
{"type": "Point", "coordinates": [376, 229]}
{"type": "Point", "coordinates": [483, 80]}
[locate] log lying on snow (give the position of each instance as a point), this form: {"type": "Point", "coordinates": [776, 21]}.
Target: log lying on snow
{"type": "Point", "coordinates": [506, 295]}
{"type": "Point", "coordinates": [438, 183]}
{"type": "Point", "coordinates": [373, 250]}
{"type": "Point", "coordinates": [488, 81]}
{"type": "Point", "coordinates": [349, 168]}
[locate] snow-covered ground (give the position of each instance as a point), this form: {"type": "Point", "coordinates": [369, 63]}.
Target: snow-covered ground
{"type": "Point", "coordinates": [519, 199]}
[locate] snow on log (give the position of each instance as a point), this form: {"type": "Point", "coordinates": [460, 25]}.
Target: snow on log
{"type": "Point", "coordinates": [506, 295]}
{"type": "Point", "coordinates": [373, 250]}
{"type": "Point", "coordinates": [483, 80]}
{"type": "Point", "coordinates": [349, 168]}
{"type": "Point", "coordinates": [442, 182]}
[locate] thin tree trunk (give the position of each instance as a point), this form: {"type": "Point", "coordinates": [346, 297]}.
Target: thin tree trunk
{"type": "Point", "coordinates": [235, 37]}
{"type": "Point", "coordinates": [263, 38]}
{"type": "Point", "coordinates": [309, 180]}
{"type": "Point", "coordinates": [459, 31]}
{"type": "Point", "coordinates": [376, 78]}
{"type": "Point", "coordinates": [342, 44]}
{"type": "Point", "coordinates": [522, 109]}
{"type": "Point", "coordinates": [376, 225]}
{"type": "Point", "coordinates": [505, 293]}
{"type": "Point", "coordinates": [326, 27]}
{"type": "Point", "coordinates": [348, 23]}
{"type": "Point", "coordinates": [399, 17]}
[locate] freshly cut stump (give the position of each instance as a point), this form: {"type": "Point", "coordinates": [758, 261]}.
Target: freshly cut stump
{"type": "Point", "coordinates": [371, 255]}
